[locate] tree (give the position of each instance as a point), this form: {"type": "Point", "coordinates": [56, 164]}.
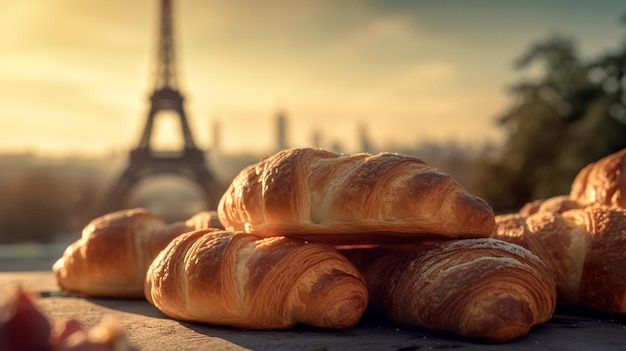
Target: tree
{"type": "Point", "coordinates": [525, 167]}
{"type": "Point", "coordinates": [572, 115]}
{"type": "Point", "coordinates": [602, 130]}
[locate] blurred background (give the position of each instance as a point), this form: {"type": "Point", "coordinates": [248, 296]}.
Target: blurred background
{"type": "Point", "coordinates": [510, 98]}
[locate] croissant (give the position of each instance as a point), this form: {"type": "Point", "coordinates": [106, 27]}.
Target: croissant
{"type": "Point", "coordinates": [115, 250]}
{"type": "Point", "coordinates": [559, 204]}
{"type": "Point", "coordinates": [311, 193]}
{"type": "Point", "coordinates": [583, 248]}
{"type": "Point", "coordinates": [602, 182]}
{"type": "Point", "coordinates": [240, 280]}
{"type": "Point", "coordinates": [478, 288]}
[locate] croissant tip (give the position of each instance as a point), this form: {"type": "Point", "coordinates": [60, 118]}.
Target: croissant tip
{"type": "Point", "coordinates": [508, 318]}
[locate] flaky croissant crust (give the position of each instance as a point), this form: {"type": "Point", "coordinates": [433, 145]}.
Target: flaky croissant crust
{"type": "Point", "coordinates": [239, 280]}
{"type": "Point", "coordinates": [480, 288]}
{"type": "Point", "coordinates": [306, 191]}
{"type": "Point", "coordinates": [108, 260]}
{"type": "Point", "coordinates": [602, 182]}
{"type": "Point", "coordinates": [583, 248]}
{"type": "Point", "coordinates": [113, 254]}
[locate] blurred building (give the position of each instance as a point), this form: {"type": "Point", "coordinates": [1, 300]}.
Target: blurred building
{"type": "Point", "coordinates": [281, 131]}
{"type": "Point", "coordinates": [365, 144]}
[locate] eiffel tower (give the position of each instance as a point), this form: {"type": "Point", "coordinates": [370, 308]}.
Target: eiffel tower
{"type": "Point", "coordinates": [144, 160]}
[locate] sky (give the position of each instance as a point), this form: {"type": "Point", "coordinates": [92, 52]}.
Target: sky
{"type": "Point", "coordinates": [75, 75]}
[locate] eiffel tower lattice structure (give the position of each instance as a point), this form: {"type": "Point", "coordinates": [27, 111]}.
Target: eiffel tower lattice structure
{"type": "Point", "coordinates": [144, 160]}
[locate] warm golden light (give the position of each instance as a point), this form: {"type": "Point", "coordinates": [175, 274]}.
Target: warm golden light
{"type": "Point", "coordinates": [75, 76]}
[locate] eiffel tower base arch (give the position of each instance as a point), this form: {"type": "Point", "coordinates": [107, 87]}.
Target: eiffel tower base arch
{"type": "Point", "coordinates": [145, 163]}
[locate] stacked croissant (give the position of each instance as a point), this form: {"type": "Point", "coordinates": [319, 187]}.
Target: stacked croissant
{"type": "Point", "coordinates": [580, 236]}
{"type": "Point", "coordinates": [313, 237]}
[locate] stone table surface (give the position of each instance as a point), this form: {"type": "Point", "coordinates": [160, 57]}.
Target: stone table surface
{"type": "Point", "coordinates": [149, 329]}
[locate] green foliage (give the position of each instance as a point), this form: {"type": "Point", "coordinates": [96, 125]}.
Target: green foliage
{"type": "Point", "coordinates": [573, 114]}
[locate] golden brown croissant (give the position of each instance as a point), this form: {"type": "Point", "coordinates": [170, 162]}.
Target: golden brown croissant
{"type": "Point", "coordinates": [239, 280]}
{"type": "Point", "coordinates": [115, 250]}
{"type": "Point", "coordinates": [559, 204]}
{"type": "Point", "coordinates": [583, 248]}
{"type": "Point", "coordinates": [479, 288]}
{"type": "Point", "coordinates": [310, 193]}
{"type": "Point", "coordinates": [602, 182]}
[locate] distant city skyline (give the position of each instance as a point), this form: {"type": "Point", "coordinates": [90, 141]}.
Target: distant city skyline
{"type": "Point", "coordinates": [75, 76]}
